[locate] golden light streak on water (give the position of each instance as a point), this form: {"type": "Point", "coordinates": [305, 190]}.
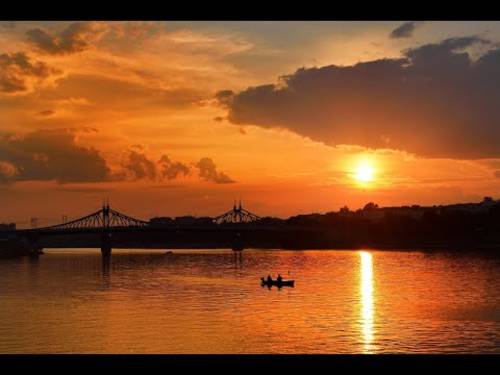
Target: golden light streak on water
{"type": "Point", "coordinates": [367, 304]}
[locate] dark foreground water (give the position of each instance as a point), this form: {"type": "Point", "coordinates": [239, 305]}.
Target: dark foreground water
{"type": "Point", "coordinates": [212, 302]}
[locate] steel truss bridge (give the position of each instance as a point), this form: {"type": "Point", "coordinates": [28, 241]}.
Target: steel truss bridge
{"type": "Point", "coordinates": [107, 220]}
{"type": "Point", "coordinates": [104, 219]}
{"type": "Point", "coordinates": [236, 215]}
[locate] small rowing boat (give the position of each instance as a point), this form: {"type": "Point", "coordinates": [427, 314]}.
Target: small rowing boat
{"type": "Point", "coordinates": [277, 283]}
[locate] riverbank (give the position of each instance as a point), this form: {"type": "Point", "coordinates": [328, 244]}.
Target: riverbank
{"type": "Point", "coordinates": [492, 248]}
{"type": "Point", "coordinates": [248, 238]}
{"type": "Point", "coordinates": [16, 248]}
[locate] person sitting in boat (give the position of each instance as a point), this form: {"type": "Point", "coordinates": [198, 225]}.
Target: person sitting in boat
{"type": "Point", "coordinates": [279, 279]}
{"type": "Point", "coordinates": [269, 279]}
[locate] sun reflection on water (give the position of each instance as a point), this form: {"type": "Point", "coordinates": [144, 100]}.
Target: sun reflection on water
{"type": "Point", "coordinates": [366, 294]}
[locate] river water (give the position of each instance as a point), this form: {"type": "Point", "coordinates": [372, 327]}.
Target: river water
{"type": "Point", "coordinates": [211, 301]}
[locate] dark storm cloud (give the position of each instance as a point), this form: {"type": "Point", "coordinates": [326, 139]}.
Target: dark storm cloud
{"type": "Point", "coordinates": [74, 38]}
{"type": "Point", "coordinates": [435, 101]}
{"type": "Point", "coordinates": [207, 170]}
{"type": "Point", "coordinates": [46, 155]}
{"type": "Point", "coordinates": [17, 68]}
{"type": "Point", "coordinates": [172, 169]}
{"type": "Point", "coordinates": [497, 174]}
{"type": "Point", "coordinates": [405, 30]}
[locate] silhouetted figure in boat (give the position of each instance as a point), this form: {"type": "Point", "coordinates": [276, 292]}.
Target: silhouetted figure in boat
{"type": "Point", "coordinates": [279, 282]}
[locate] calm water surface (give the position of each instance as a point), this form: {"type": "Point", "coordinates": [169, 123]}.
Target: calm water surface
{"type": "Point", "coordinates": [212, 302]}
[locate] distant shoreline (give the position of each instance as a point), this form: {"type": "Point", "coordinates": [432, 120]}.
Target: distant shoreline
{"type": "Point", "coordinates": [250, 239]}
{"type": "Point", "coordinates": [429, 248]}
{"type": "Point", "coordinates": [473, 227]}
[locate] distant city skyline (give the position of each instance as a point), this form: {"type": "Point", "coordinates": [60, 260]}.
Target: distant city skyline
{"type": "Point", "coordinates": [165, 118]}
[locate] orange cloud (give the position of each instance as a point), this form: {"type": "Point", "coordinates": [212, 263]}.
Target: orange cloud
{"type": "Point", "coordinates": [208, 171]}
{"type": "Point", "coordinates": [18, 72]}
{"type": "Point", "coordinates": [76, 37]}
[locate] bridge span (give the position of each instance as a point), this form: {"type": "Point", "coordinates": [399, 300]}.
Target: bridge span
{"type": "Point", "coordinates": [113, 228]}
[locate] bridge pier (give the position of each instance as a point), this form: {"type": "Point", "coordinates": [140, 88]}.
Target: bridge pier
{"type": "Point", "coordinates": [106, 251]}
{"type": "Point", "coordinates": [106, 244]}
{"type": "Point", "coordinates": [34, 247]}
{"type": "Point", "coordinates": [237, 242]}
{"type": "Point", "coordinates": [36, 252]}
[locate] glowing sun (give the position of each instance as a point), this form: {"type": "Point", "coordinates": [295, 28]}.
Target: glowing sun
{"type": "Point", "coordinates": [364, 172]}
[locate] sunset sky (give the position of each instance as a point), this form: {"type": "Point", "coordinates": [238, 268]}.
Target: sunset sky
{"type": "Point", "coordinates": [176, 118]}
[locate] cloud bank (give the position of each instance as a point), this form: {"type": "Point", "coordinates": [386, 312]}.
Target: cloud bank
{"type": "Point", "coordinates": [435, 101]}
{"type": "Point", "coordinates": [172, 169]}
{"type": "Point", "coordinates": [138, 166]}
{"type": "Point", "coordinates": [45, 155]}
{"type": "Point", "coordinates": [54, 155]}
